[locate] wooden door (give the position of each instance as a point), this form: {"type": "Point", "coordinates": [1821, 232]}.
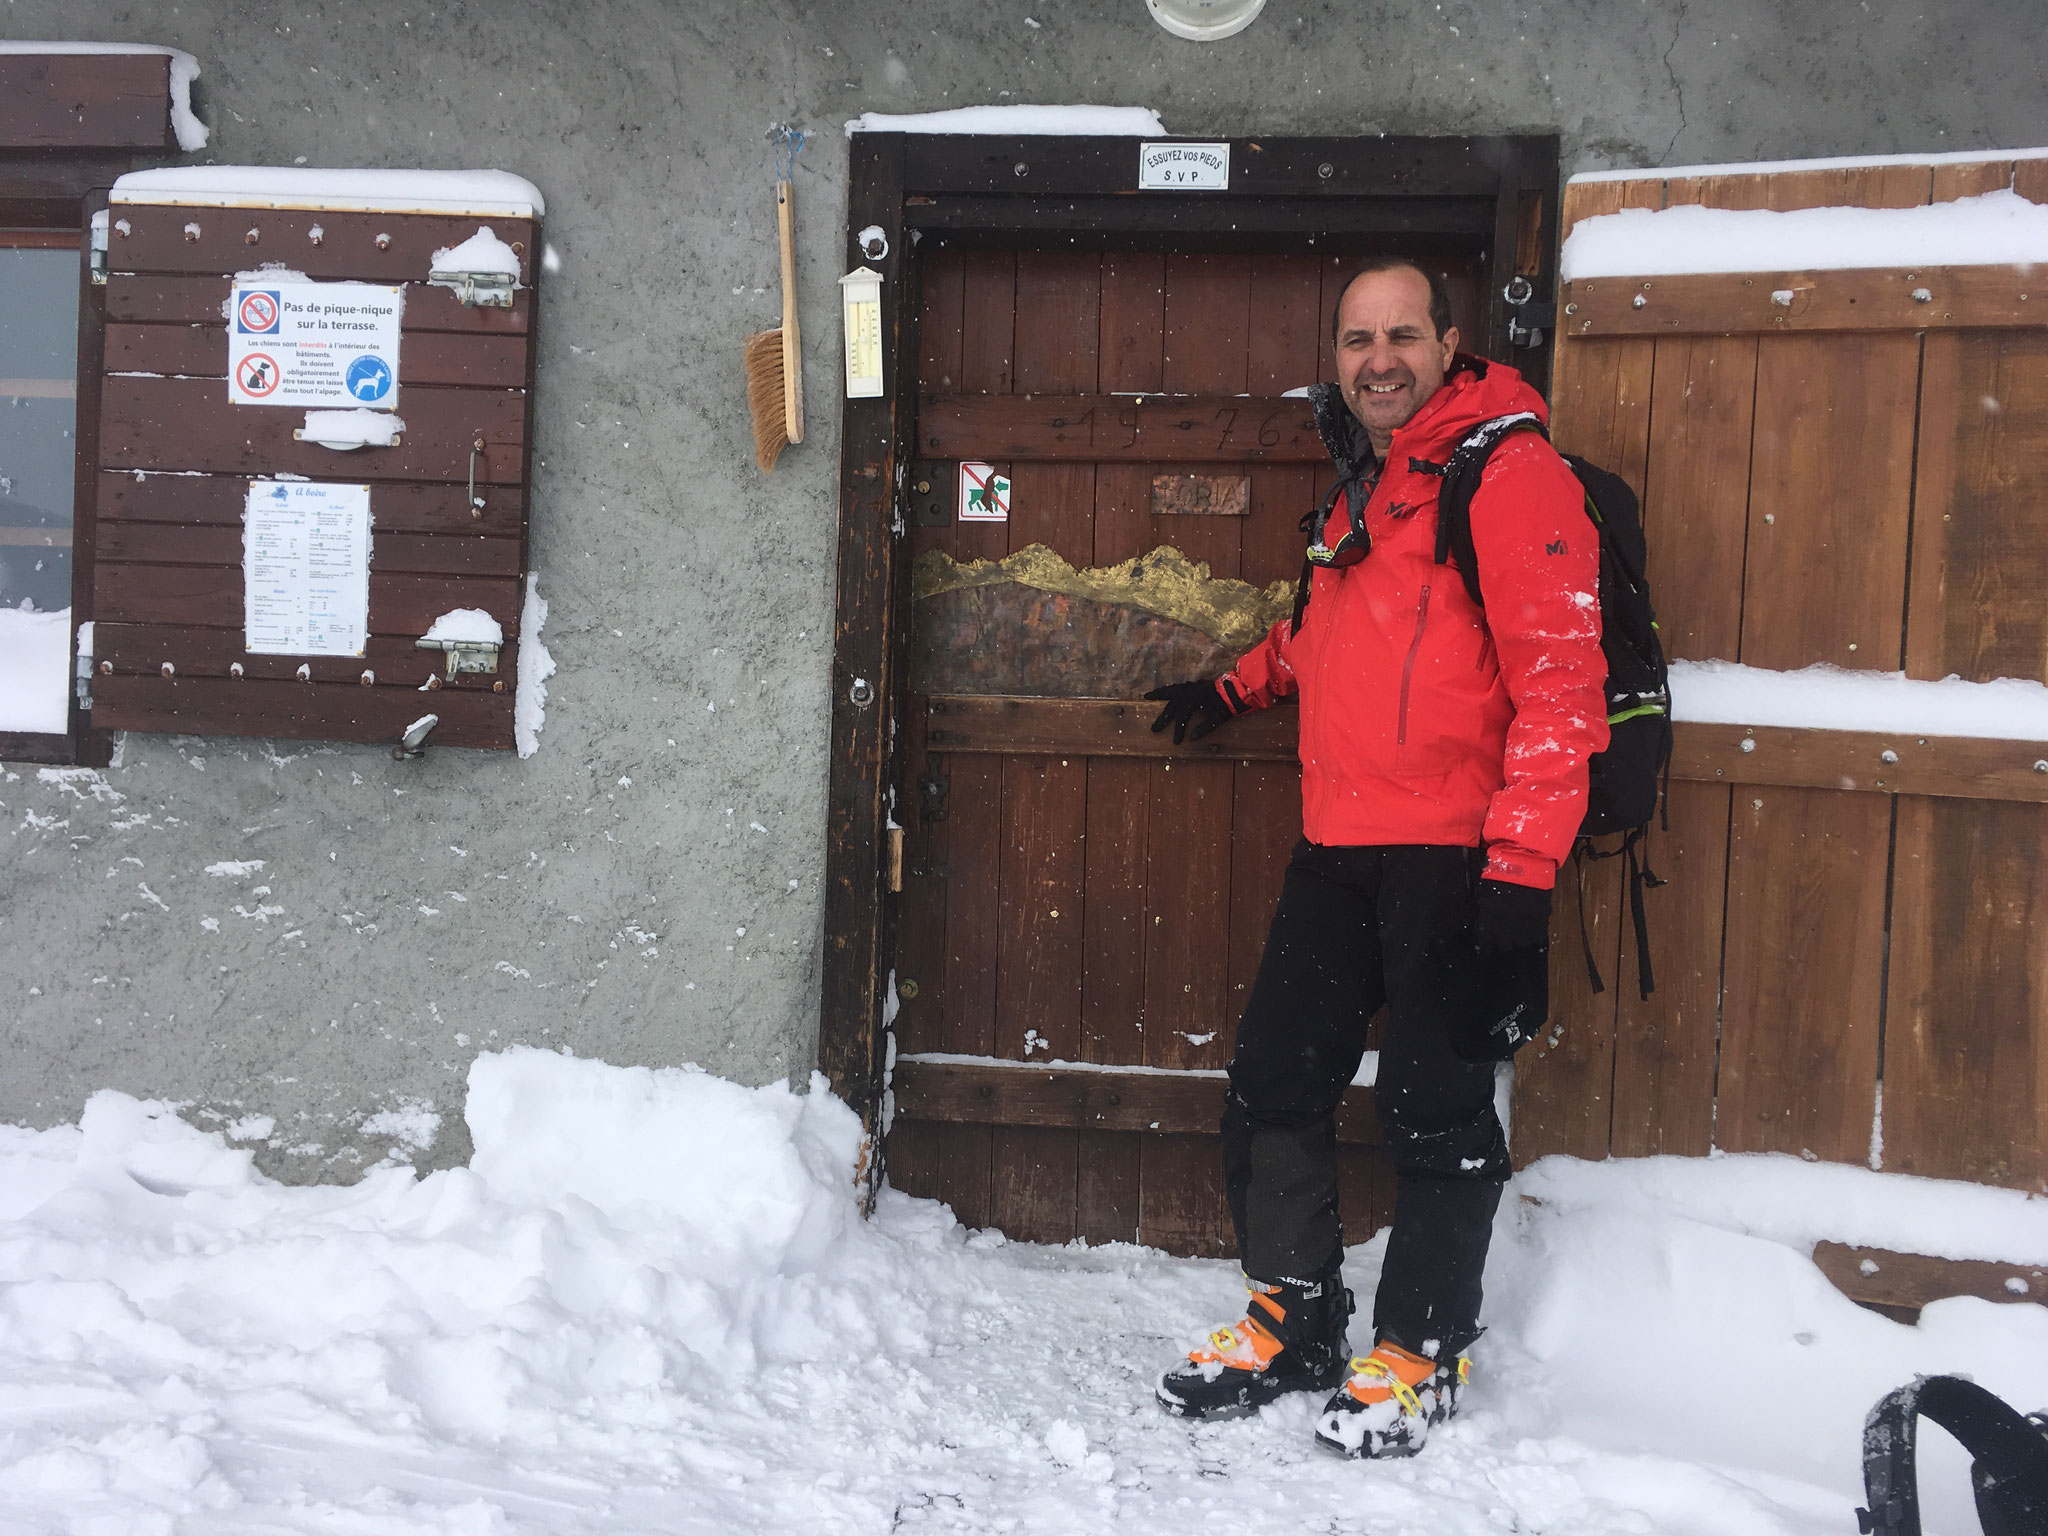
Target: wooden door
{"type": "Point", "coordinates": [1077, 891]}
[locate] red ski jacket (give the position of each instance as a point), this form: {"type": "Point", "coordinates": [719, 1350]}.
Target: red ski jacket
{"type": "Point", "coordinates": [1424, 719]}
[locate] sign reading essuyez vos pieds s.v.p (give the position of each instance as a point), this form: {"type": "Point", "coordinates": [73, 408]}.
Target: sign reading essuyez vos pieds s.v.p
{"type": "Point", "coordinates": [317, 344]}
{"type": "Point", "coordinates": [1183, 167]}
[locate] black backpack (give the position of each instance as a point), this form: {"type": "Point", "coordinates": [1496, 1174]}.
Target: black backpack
{"type": "Point", "coordinates": [1625, 785]}
{"type": "Point", "coordinates": [2009, 1473]}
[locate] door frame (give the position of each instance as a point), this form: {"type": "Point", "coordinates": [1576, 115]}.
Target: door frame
{"type": "Point", "coordinates": [927, 191]}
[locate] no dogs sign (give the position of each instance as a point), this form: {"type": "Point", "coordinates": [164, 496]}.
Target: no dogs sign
{"type": "Point", "coordinates": [319, 344]}
{"type": "Point", "coordinates": [984, 494]}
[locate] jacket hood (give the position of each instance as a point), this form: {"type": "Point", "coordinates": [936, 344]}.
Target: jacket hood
{"type": "Point", "coordinates": [1474, 390]}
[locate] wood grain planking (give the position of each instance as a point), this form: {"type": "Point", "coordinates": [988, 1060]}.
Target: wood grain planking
{"type": "Point", "coordinates": [1824, 576]}
{"type": "Point", "coordinates": [1883, 1278]}
{"type": "Point", "coordinates": [1039, 938]}
{"type": "Point", "coordinates": [1033, 1183]}
{"type": "Point", "coordinates": [1803, 972]}
{"type": "Point", "coordinates": [205, 706]}
{"type": "Point", "coordinates": [2030, 180]}
{"type": "Point", "coordinates": [1564, 1079]}
{"type": "Point", "coordinates": [484, 360]}
{"type": "Point", "coordinates": [1972, 179]}
{"type": "Point", "coordinates": [1107, 1186]}
{"type": "Point", "coordinates": [938, 1161]}
{"type": "Point", "coordinates": [1059, 322]}
{"type": "Point", "coordinates": [1013, 1093]}
{"type": "Point", "coordinates": [988, 325]}
{"type": "Point", "coordinates": [1132, 357]}
{"type": "Point", "coordinates": [138, 649]}
{"type": "Point", "coordinates": [1115, 912]}
{"type": "Point", "coordinates": [1168, 428]}
{"type": "Point", "coordinates": [174, 299]}
{"type": "Point", "coordinates": [1265, 824]}
{"type": "Point", "coordinates": [217, 544]}
{"type": "Point", "coordinates": [1059, 336]}
{"type": "Point", "coordinates": [209, 241]}
{"type": "Point", "coordinates": [1850, 186]}
{"type": "Point", "coordinates": [1696, 502]}
{"type": "Point", "coordinates": [1208, 339]}
{"type": "Point", "coordinates": [1966, 1034]}
{"type": "Point", "coordinates": [1790, 302]}
{"type": "Point", "coordinates": [1089, 727]}
{"type": "Point", "coordinates": [73, 101]}
{"type": "Point", "coordinates": [1285, 342]}
{"type": "Point", "coordinates": [1980, 525]}
{"type": "Point", "coordinates": [181, 424]}
{"type": "Point", "coordinates": [1966, 767]}
{"type": "Point", "coordinates": [1187, 877]}
{"type": "Point", "coordinates": [1133, 316]}
{"type": "Point", "coordinates": [1365, 1204]}
{"type": "Point", "coordinates": [1182, 1207]}
{"type": "Point", "coordinates": [949, 1163]}
{"type": "Point", "coordinates": [1664, 1045]}
{"type": "Point", "coordinates": [1285, 323]}
{"type": "Point", "coordinates": [973, 914]}
{"type": "Point", "coordinates": [1740, 189]}
{"type": "Point", "coordinates": [211, 595]}
{"type": "Point", "coordinates": [1131, 352]}
{"type": "Point", "coordinates": [921, 911]}
{"type": "Point", "coordinates": [395, 506]}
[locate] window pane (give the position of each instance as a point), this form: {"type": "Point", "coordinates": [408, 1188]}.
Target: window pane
{"type": "Point", "coordinates": [38, 422]}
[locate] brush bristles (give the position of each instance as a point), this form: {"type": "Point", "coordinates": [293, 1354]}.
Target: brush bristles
{"type": "Point", "coordinates": [764, 396]}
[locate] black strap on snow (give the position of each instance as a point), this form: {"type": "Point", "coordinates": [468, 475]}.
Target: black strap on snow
{"type": "Point", "coordinates": [2010, 1454]}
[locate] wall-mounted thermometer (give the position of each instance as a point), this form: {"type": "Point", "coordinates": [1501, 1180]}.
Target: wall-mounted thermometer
{"type": "Point", "coordinates": [861, 295]}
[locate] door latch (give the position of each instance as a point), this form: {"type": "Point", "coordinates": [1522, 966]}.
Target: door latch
{"type": "Point", "coordinates": [1527, 319]}
{"type": "Point", "coordinates": [929, 492]}
{"type": "Point", "coordinates": [463, 655]}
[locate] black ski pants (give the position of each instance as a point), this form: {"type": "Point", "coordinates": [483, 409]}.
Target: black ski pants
{"type": "Point", "coordinates": [1355, 928]}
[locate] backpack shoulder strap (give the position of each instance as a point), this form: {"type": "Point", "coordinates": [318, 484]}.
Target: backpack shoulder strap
{"type": "Point", "coordinates": [1462, 474]}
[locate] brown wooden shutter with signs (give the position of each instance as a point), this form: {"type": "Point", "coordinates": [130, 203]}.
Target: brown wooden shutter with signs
{"type": "Point", "coordinates": [176, 459]}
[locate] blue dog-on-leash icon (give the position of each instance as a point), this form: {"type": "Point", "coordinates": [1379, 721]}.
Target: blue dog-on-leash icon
{"type": "Point", "coordinates": [369, 378]}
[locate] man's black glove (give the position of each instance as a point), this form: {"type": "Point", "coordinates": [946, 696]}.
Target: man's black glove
{"type": "Point", "coordinates": [1508, 951]}
{"type": "Point", "coordinates": [1508, 916]}
{"type": "Point", "coordinates": [1206, 702]}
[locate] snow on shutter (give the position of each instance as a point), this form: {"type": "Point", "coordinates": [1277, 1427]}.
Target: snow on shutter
{"type": "Point", "coordinates": [448, 499]}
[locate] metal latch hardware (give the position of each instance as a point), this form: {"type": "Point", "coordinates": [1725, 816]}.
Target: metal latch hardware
{"type": "Point", "coordinates": [1527, 320]}
{"type": "Point", "coordinates": [929, 491]}
{"type": "Point", "coordinates": [464, 655]}
{"type": "Point", "coordinates": [488, 290]}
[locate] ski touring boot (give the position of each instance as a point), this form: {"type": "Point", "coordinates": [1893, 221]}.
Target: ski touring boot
{"type": "Point", "coordinates": [1291, 1339]}
{"type": "Point", "coordinates": [1391, 1402]}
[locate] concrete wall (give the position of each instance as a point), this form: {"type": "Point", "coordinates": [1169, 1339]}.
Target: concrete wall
{"type": "Point", "coordinates": [647, 888]}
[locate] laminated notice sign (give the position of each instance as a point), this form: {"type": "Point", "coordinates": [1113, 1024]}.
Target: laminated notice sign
{"type": "Point", "coordinates": [306, 569]}
{"type": "Point", "coordinates": [1184, 167]}
{"type": "Point", "coordinates": [319, 344]}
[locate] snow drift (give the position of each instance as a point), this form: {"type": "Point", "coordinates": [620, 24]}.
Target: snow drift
{"type": "Point", "coordinates": [649, 1303]}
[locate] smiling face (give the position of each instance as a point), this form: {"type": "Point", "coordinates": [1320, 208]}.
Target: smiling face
{"type": "Point", "coordinates": [1390, 360]}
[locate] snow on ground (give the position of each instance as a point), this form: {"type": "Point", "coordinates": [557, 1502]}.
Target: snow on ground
{"type": "Point", "coordinates": [649, 1306]}
{"type": "Point", "coordinates": [35, 685]}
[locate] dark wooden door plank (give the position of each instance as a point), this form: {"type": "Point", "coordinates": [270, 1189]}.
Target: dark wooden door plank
{"type": "Point", "coordinates": [1804, 971]}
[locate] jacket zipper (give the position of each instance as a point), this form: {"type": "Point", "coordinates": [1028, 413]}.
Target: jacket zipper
{"type": "Point", "coordinates": [1408, 667]}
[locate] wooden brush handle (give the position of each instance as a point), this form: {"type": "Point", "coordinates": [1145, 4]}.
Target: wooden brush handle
{"type": "Point", "coordinates": [792, 345]}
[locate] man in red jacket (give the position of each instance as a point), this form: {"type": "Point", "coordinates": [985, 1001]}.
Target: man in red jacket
{"type": "Point", "coordinates": [1443, 757]}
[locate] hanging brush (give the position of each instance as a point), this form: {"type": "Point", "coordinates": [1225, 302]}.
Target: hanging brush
{"type": "Point", "coordinates": [775, 373]}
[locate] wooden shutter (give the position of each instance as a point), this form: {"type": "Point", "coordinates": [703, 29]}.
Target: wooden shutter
{"type": "Point", "coordinates": [176, 459]}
